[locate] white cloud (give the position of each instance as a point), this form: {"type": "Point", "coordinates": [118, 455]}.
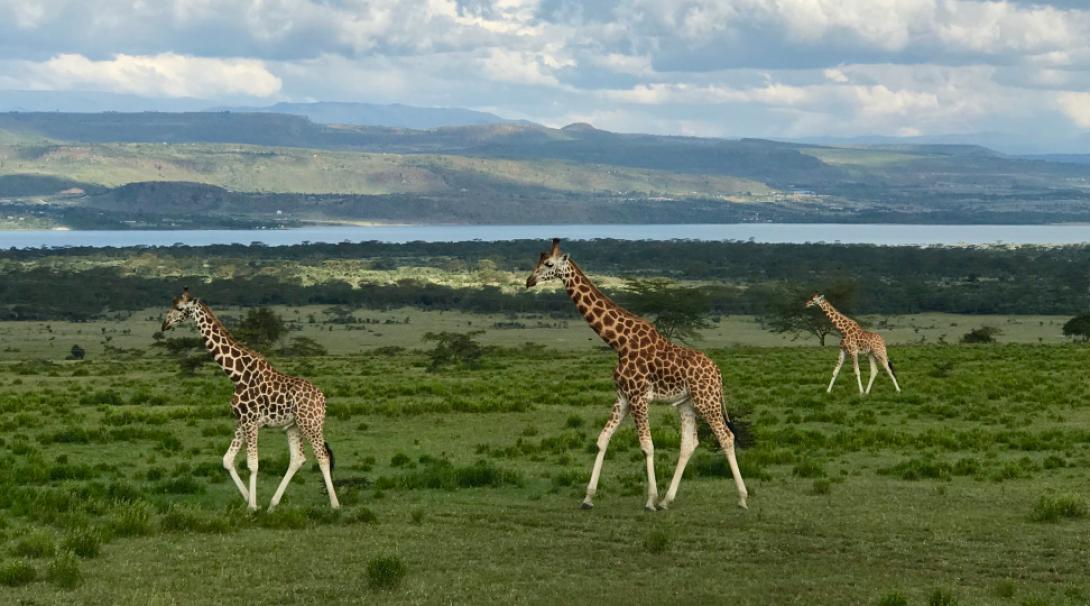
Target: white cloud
{"type": "Point", "coordinates": [1076, 106]}
{"type": "Point", "coordinates": [166, 74]}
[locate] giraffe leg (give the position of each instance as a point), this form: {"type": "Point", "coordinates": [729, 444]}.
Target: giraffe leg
{"type": "Point", "coordinates": [295, 444]}
{"type": "Point", "coordinates": [836, 371]}
{"type": "Point", "coordinates": [715, 420]}
{"type": "Point", "coordinates": [620, 409]}
{"type": "Point", "coordinates": [229, 461]}
{"type": "Point", "coordinates": [889, 370]}
{"type": "Point", "coordinates": [318, 445]}
{"type": "Point", "coordinates": [643, 429]}
{"type": "Point", "coordinates": [251, 463]}
{"type": "Point", "coordinates": [855, 366]}
{"type": "Point", "coordinates": [873, 372]}
{"type": "Point", "coordinates": [689, 441]}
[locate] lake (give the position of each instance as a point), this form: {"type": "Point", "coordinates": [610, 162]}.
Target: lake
{"type": "Point", "coordinates": [904, 235]}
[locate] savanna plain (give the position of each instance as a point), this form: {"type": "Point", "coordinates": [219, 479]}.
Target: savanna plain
{"type": "Point", "coordinates": [462, 484]}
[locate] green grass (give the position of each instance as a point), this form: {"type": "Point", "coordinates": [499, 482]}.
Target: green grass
{"type": "Point", "coordinates": [464, 487]}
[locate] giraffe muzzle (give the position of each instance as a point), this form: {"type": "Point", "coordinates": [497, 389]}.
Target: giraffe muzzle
{"type": "Point", "coordinates": [531, 281]}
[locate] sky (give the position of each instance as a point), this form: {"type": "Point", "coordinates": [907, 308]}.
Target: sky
{"type": "Point", "coordinates": [768, 68]}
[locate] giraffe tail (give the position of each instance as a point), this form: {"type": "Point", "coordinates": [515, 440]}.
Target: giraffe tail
{"type": "Point", "coordinates": [891, 368]}
{"type": "Point", "coordinates": [332, 460]}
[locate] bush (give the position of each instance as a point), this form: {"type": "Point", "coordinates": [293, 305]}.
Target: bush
{"type": "Point", "coordinates": [83, 542]}
{"type": "Point", "coordinates": [459, 350]}
{"type": "Point", "coordinates": [941, 597]}
{"type": "Point", "coordinates": [894, 598]}
{"type": "Point", "coordinates": [362, 515]}
{"type": "Point", "coordinates": [1052, 508]}
{"type": "Point", "coordinates": [808, 469]}
{"type": "Point", "coordinates": [132, 520]}
{"type": "Point", "coordinates": [64, 571]}
{"type": "Point", "coordinates": [17, 574]}
{"type": "Point", "coordinates": [656, 542]}
{"type": "Point", "coordinates": [984, 334]}
{"type": "Point", "coordinates": [1078, 328]}
{"type": "Point", "coordinates": [38, 545]}
{"type": "Point", "coordinates": [385, 572]}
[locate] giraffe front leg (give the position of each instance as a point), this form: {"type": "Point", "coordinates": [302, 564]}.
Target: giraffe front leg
{"type": "Point", "coordinates": [873, 372]}
{"type": "Point", "coordinates": [836, 371]}
{"type": "Point", "coordinates": [295, 445]}
{"type": "Point", "coordinates": [689, 440]}
{"type": "Point", "coordinates": [620, 409]}
{"type": "Point", "coordinates": [855, 366]}
{"type": "Point", "coordinates": [229, 461]}
{"type": "Point", "coordinates": [643, 429]}
{"type": "Point", "coordinates": [251, 463]}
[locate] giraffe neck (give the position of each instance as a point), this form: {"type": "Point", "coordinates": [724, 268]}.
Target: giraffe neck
{"type": "Point", "coordinates": [237, 360]}
{"type": "Point", "coordinates": [843, 323]}
{"type": "Point", "coordinates": [612, 322]}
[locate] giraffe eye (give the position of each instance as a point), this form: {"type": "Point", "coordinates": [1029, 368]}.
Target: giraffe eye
{"type": "Point", "coordinates": [548, 264]}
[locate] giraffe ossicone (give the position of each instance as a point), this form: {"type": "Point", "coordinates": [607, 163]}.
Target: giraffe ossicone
{"type": "Point", "coordinates": [264, 397]}
{"type": "Point", "coordinates": [854, 341]}
{"type": "Point", "coordinates": [649, 369]}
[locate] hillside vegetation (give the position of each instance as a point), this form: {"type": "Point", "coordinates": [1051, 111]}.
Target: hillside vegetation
{"type": "Point", "coordinates": [504, 172]}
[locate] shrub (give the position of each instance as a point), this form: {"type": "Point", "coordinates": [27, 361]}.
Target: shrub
{"type": "Point", "coordinates": [893, 598]}
{"type": "Point", "coordinates": [133, 519]}
{"type": "Point", "coordinates": [17, 574]}
{"type": "Point", "coordinates": [656, 542]}
{"type": "Point", "coordinates": [808, 469]}
{"type": "Point", "coordinates": [37, 545]}
{"type": "Point", "coordinates": [1005, 589]}
{"type": "Point", "coordinates": [64, 571]}
{"type": "Point", "coordinates": [821, 487]}
{"type": "Point", "coordinates": [362, 515]}
{"type": "Point", "coordinates": [385, 572]}
{"type": "Point", "coordinates": [984, 334]}
{"type": "Point", "coordinates": [1052, 508]}
{"type": "Point", "coordinates": [83, 542]}
{"type": "Point", "coordinates": [941, 597]}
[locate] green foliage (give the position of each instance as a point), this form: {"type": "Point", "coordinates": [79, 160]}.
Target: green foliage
{"type": "Point", "coordinates": [1053, 508]}
{"type": "Point", "coordinates": [17, 574]}
{"type": "Point", "coordinates": [893, 598]}
{"type": "Point", "coordinates": [1078, 328]}
{"type": "Point", "coordinates": [64, 571]}
{"type": "Point", "coordinates": [385, 572]}
{"type": "Point", "coordinates": [83, 542]}
{"type": "Point", "coordinates": [656, 542]}
{"type": "Point", "coordinates": [76, 353]}
{"type": "Point", "coordinates": [785, 309]}
{"type": "Point", "coordinates": [36, 545]}
{"type": "Point", "coordinates": [984, 334]}
{"type": "Point", "coordinates": [942, 597]}
{"type": "Point", "coordinates": [260, 328]}
{"type": "Point", "coordinates": [678, 312]}
{"type": "Point", "coordinates": [454, 349]}
{"type": "Point", "coordinates": [302, 347]}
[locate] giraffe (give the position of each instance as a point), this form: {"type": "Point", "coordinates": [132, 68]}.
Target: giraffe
{"type": "Point", "coordinates": [264, 397]}
{"type": "Point", "coordinates": [649, 369]}
{"type": "Point", "coordinates": [854, 340]}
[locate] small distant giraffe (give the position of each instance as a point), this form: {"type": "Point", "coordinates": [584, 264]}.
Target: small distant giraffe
{"type": "Point", "coordinates": [854, 340]}
{"type": "Point", "coordinates": [264, 397]}
{"type": "Point", "coordinates": [649, 368]}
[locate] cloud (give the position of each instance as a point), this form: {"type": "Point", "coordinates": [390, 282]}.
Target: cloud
{"type": "Point", "coordinates": [1076, 106]}
{"type": "Point", "coordinates": [167, 74]}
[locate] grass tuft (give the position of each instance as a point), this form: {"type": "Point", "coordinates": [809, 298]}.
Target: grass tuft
{"type": "Point", "coordinates": [385, 572]}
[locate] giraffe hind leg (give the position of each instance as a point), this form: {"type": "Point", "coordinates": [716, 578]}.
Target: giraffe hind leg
{"type": "Point", "coordinates": [229, 461]}
{"type": "Point", "coordinates": [889, 370]}
{"type": "Point", "coordinates": [689, 440]}
{"type": "Point", "coordinates": [873, 372]}
{"type": "Point", "coordinates": [323, 453]}
{"type": "Point", "coordinates": [295, 444]}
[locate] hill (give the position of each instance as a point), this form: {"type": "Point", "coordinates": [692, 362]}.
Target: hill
{"type": "Point", "coordinates": [504, 169]}
{"type": "Point", "coordinates": [370, 114]}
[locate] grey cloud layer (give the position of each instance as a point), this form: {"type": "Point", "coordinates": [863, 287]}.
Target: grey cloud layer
{"type": "Point", "coordinates": [731, 67]}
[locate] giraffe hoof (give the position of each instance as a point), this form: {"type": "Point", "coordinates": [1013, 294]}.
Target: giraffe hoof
{"type": "Point", "coordinates": [586, 505]}
{"type": "Point", "coordinates": [664, 505]}
{"type": "Point", "coordinates": [650, 508]}
{"type": "Point", "coordinates": [742, 504]}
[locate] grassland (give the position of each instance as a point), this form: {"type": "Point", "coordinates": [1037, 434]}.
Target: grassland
{"type": "Point", "coordinates": [971, 483]}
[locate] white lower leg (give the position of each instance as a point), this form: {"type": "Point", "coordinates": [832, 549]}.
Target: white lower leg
{"type": "Point", "coordinates": [836, 371]}
{"type": "Point", "coordinates": [251, 462]}
{"type": "Point", "coordinates": [858, 377]}
{"type": "Point", "coordinates": [743, 494]}
{"type": "Point", "coordinates": [688, 445]}
{"type": "Point", "coordinates": [229, 465]}
{"type": "Point", "coordinates": [873, 374]}
{"type": "Point", "coordinates": [619, 411]}
{"type": "Point", "coordinates": [652, 485]}
{"type": "Point", "coordinates": [323, 464]}
{"type": "Point", "coordinates": [293, 466]}
{"type": "Point", "coordinates": [893, 378]}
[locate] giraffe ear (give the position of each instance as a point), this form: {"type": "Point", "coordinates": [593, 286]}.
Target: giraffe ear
{"type": "Point", "coordinates": [564, 257]}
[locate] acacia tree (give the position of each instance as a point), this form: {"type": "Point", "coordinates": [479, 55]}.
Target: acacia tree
{"type": "Point", "coordinates": [1078, 328]}
{"type": "Point", "coordinates": [786, 311]}
{"type": "Point", "coordinates": [678, 312]}
{"type": "Point", "coordinates": [458, 349]}
{"type": "Point", "coordinates": [261, 328]}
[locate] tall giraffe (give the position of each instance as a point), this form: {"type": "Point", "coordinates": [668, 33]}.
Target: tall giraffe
{"type": "Point", "coordinates": [649, 368]}
{"type": "Point", "coordinates": [854, 340]}
{"type": "Point", "coordinates": [264, 397]}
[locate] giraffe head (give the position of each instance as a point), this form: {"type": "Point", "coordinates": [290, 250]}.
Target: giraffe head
{"type": "Point", "coordinates": [550, 266]}
{"type": "Point", "coordinates": [181, 310]}
{"type": "Point", "coordinates": [816, 299]}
